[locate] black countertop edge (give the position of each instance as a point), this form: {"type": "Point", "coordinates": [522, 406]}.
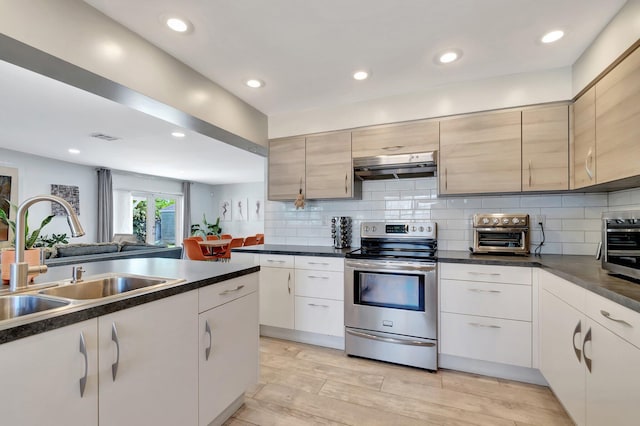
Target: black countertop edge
{"type": "Point", "coordinates": [83, 314]}
{"type": "Point", "coordinates": [292, 250]}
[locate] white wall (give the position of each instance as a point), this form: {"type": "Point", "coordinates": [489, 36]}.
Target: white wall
{"type": "Point", "coordinates": [248, 193]}
{"type": "Point", "coordinates": [622, 32]}
{"type": "Point", "coordinates": [203, 202]}
{"type": "Point", "coordinates": [35, 176]}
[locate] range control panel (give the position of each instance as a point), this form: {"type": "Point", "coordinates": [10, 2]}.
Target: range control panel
{"type": "Point", "coordinates": [398, 229]}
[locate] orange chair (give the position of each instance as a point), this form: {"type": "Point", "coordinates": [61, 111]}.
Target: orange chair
{"type": "Point", "coordinates": [193, 250]}
{"type": "Point", "coordinates": [251, 241]}
{"type": "Point", "coordinates": [226, 237]}
{"type": "Point", "coordinates": [205, 250]}
{"type": "Point", "coordinates": [235, 242]}
{"type": "Point", "coordinates": [260, 238]}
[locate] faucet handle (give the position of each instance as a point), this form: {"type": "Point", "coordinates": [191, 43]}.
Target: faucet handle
{"type": "Point", "coordinates": [76, 274]}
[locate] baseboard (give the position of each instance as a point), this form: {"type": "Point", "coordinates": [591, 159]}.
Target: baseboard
{"type": "Point", "coordinates": [327, 341]}
{"type": "Point", "coordinates": [493, 369]}
{"type": "Point", "coordinates": [226, 414]}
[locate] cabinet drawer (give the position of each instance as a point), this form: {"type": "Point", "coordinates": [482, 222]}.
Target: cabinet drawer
{"type": "Point", "coordinates": [563, 289]}
{"type": "Point", "coordinates": [507, 301]}
{"type": "Point", "coordinates": [226, 291]}
{"type": "Point", "coordinates": [320, 263]}
{"type": "Point", "coordinates": [325, 285]}
{"type": "Point", "coordinates": [487, 273]}
{"type": "Point", "coordinates": [487, 339]}
{"type": "Point", "coordinates": [276, 260]}
{"type": "Point", "coordinates": [620, 320]}
{"type": "Point", "coordinates": [319, 316]}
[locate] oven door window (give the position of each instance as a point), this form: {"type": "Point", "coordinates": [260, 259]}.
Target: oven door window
{"type": "Point", "coordinates": [623, 248]}
{"type": "Point", "coordinates": [389, 290]}
{"type": "Point", "coordinates": [500, 239]}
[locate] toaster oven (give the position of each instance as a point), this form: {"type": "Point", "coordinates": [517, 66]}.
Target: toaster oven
{"type": "Point", "coordinates": [501, 233]}
{"type": "Point", "coordinates": [621, 243]}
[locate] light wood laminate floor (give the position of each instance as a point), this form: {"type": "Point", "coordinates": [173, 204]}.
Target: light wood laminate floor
{"type": "Point", "coordinates": [309, 385]}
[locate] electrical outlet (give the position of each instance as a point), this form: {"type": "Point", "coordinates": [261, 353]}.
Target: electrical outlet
{"type": "Point", "coordinates": [539, 218]}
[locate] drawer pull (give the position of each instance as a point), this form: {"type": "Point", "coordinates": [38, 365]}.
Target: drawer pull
{"type": "Point", "coordinates": [317, 277]}
{"type": "Point", "coordinates": [480, 290]}
{"type": "Point", "coordinates": [317, 306]}
{"type": "Point", "coordinates": [493, 274]}
{"type": "Point", "coordinates": [275, 261]}
{"type": "Point", "coordinates": [318, 263]}
{"type": "Point", "coordinates": [608, 316]}
{"type": "Point", "coordinates": [231, 290]}
{"type": "Point", "coordinates": [477, 324]}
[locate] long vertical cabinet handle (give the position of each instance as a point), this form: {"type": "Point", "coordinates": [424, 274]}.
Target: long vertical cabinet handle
{"type": "Point", "coordinates": [289, 283]}
{"type": "Point", "coordinates": [83, 351]}
{"type": "Point", "coordinates": [446, 181]}
{"type": "Point", "coordinates": [529, 173]}
{"type": "Point", "coordinates": [586, 164]}
{"type": "Point", "coordinates": [207, 330]}
{"type": "Point", "coordinates": [114, 338]}
{"type": "Point", "coordinates": [576, 349]}
{"type": "Point", "coordinates": [587, 360]}
{"type": "Point", "coordinates": [346, 181]}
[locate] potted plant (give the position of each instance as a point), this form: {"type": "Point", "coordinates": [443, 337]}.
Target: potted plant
{"type": "Point", "coordinates": [206, 228]}
{"type": "Point", "coordinates": [31, 254]}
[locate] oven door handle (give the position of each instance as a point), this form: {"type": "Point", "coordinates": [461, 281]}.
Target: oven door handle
{"type": "Point", "coordinates": [390, 339]}
{"type": "Point", "coordinates": [393, 266]}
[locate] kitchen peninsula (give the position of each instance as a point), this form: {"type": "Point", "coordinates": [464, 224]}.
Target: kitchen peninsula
{"type": "Point", "coordinates": [177, 354]}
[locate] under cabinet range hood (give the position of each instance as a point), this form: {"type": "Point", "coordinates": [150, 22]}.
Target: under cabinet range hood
{"type": "Point", "coordinates": [396, 166]}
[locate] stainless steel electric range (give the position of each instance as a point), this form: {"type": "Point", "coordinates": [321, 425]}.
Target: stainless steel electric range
{"type": "Point", "coordinates": [390, 303]}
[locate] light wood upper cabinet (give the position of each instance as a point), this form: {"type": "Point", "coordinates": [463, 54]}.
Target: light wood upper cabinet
{"type": "Point", "coordinates": [404, 138]}
{"type": "Point", "coordinates": [545, 148]}
{"type": "Point", "coordinates": [286, 168]}
{"type": "Point", "coordinates": [480, 153]}
{"type": "Point", "coordinates": [617, 132]}
{"type": "Point", "coordinates": [329, 168]}
{"type": "Point", "coordinates": [584, 142]}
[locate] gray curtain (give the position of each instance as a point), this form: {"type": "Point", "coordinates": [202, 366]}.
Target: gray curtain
{"type": "Point", "coordinates": [186, 214]}
{"type": "Point", "coordinates": [105, 206]}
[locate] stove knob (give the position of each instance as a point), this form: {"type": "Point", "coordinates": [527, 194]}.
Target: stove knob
{"type": "Point", "coordinates": [421, 229]}
{"type": "Point", "coordinates": [505, 221]}
{"type": "Point", "coordinates": [485, 221]}
{"type": "Point", "coordinates": [428, 229]}
{"type": "Point", "coordinates": [413, 229]}
{"type": "Point", "coordinates": [366, 229]}
{"type": "Point", "coordinates": [515, 220]}
{"type": "Point", "coordinates": [373, 229]}
{"type": "Point", "coordinates": [496, 221]}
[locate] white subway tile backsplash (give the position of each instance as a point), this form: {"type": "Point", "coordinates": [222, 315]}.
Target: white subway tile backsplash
{"type": "Point", "coordinates": [572, 221]}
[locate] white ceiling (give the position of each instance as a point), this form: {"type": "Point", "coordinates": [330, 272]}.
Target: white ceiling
{"type": "Point", "coordinates": [42, 116]}
{"type": "Point", "coordinates": [306, 51]}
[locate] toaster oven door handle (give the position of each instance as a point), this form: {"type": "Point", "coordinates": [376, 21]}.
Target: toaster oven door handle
{"type": "Point", "coordinates": [408, 342]}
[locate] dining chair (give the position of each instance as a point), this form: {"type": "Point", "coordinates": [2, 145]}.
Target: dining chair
{"type": "Point", "coordinates": [235, 242]}
{"type": "Point", "coordinates": [215, 250]}
{"type": "Point", "coordinates": [193, 250]}
{"type": "Point", "coordinates": [260, 238]}
{"type": "Point", "coordinates": [226, 237]}
{"type": "Point", "coordinates": [251, 241]}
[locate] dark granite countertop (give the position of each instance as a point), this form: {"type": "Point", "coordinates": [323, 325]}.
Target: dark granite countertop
{"type": "Point", "coordinates": [195, 274]}
{"type": "Point", "coordinates": [295, 250]}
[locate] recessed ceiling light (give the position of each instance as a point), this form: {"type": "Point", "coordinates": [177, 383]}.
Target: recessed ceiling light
{"type": "Point", "coordinates": [552, 36]}
{"type": "Point", "coordinates": [360, 75]}
{"type": "Point", "coordinates": [178, 24]}
{"type": "Point", "coordinates": [254, 84]}
{"type": "Point", "coordinates": [449, 56]}
{"type": "Point", "coordinates": [74, 151]}
{"type": "Point", "coordinates": [177, 134]}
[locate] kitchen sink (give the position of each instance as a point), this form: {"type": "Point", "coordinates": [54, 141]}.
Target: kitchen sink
{"type": "Point", "coordinates": [98, 288]}
{"type": "Point", "coordinates": [25, 304]}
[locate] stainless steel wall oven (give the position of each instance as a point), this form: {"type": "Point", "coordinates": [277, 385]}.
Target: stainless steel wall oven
{"type": "Point", "coordinates": [391, 295]}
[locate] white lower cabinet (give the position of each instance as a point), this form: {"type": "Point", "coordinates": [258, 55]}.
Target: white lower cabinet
{"type": "Point", "coordinates": [147, 370]}
{"type": "Point", "coordinates": [320, 316]}
{"type": "Point", "coordinates": [41, 377]}
{"type": "Point", "coordinates": [590, 367]}
{"type": "Point", "coordinates": [228, 359]}
{"type": "Point", "coordinates": [486, 313]}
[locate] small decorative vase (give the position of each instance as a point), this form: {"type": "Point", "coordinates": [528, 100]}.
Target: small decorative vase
{"type": "Point", "coordinates": [31, 256]}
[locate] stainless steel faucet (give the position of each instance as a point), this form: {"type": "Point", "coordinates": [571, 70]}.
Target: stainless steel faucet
{"type": "Point", "coordinates": [76, 274]}
{"type": "Point", "coordinates": [20, 269]}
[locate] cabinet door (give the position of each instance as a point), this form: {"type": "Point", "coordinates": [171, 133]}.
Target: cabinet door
{"type": "Point", "coordinates": [584, 140]}
{"type": "Point", "coordinates": [41, 378]}
{"type": "Point", "coordinates": [618, 121]}
{"type": "Point", "coordinates": [154, 347]}
{"type": "Point", "coordinates": [545, 149]}
{"type": "Point", "coordinates": [405, 138]}
{"type": "Point", "coordinates": [277, 297]}
{"type": "Point", "coordinates": [286, 168]}
{"type": "Point", "coordinates": [480, 153]}
{"type": "Point", "coordinates": [228, 358]}
{"type": "Point", "coordinates": [561, 356]}
{"type": "Point", "coordinates": [613, 389]}
{"type": "Point", "coordinates": [329, 167]}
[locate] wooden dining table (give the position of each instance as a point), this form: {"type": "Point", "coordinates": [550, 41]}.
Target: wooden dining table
{"type": "Point", "coordinates": [215, 243]}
